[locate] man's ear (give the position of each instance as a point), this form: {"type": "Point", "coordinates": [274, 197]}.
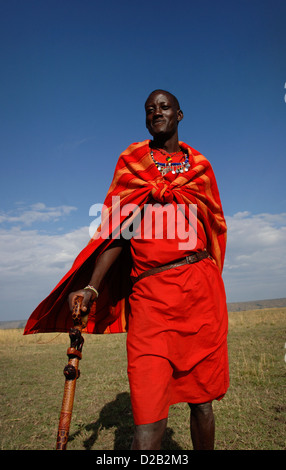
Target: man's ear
{"type": "Point", "coordinates": [180, 115]}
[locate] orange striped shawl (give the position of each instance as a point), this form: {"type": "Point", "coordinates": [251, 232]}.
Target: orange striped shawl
{"type": "Point", "coordinates": [136, 181]}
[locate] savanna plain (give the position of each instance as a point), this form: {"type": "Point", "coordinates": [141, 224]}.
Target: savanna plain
{"type": "Point", "coordinates": [251, 416]}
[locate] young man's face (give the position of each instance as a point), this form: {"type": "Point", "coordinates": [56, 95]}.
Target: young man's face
{"type": "Point", "coordinates": [162, 114]}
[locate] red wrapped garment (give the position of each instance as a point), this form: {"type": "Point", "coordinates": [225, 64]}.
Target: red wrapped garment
{"type": "Point", "coordinates": [136, 181]}
{"type": "Point", "coordinates": [176, 320]}
{"type": "Point", "coordinates": [177, 340]}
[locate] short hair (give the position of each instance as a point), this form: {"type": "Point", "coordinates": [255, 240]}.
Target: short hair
{"type": "Point", "coordinates": [175, 100]}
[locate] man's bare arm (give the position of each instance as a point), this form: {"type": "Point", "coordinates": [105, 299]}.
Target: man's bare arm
{"type": "Point", "coordinates": [103, 263]}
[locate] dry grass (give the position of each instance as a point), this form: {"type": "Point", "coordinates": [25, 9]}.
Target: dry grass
{"type": "Point", "coordinates": [251, 416]}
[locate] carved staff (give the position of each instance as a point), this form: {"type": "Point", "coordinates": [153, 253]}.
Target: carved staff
{"type": "Point", "coordinates": [71, 373]}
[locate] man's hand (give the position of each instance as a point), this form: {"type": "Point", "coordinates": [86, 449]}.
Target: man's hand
{"type": "Point", "coordinates": [87, 298]}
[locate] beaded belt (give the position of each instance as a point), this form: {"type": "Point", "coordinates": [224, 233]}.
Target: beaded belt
{"type": "Point", "coordinates": [194, 258]}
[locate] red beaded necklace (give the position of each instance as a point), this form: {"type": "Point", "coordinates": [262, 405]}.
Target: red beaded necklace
{"type": "Point", "coordinates": [170, 156]}
{"type": "Point", "coordinates": [174, 167]}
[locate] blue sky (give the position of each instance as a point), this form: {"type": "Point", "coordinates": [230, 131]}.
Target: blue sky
{"type": "Point", "coordinates": [74, 78]}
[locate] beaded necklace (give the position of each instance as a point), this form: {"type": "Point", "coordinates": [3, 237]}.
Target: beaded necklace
{"type": "Point", "coordinates": [174, 167]}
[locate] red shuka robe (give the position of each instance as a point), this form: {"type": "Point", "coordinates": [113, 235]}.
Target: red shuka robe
{"type": "Point", "coordinates": [136, 181]}
{"type": "Point", "coordinates": [176, 320]}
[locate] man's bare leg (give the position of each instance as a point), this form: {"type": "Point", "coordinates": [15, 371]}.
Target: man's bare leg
{"type": "Point", "coordinates": [202, 424]}
{"type": "Point", "coordinates": [149, 436]}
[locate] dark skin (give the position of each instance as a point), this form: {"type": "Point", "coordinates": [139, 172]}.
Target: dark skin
{"type": "Point", "coordinates": [163, 115]}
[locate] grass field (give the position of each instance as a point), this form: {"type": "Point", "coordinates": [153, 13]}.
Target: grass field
{"type": "Point", "coordinates": [251, 416]}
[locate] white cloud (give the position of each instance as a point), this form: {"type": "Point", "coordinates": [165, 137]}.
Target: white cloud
{"type": "Point", "coordinates": [255, 266]}
{"type": "Point", "coordinates": [30, 251]}
{"type": "Point", "coordinates": [32, 261]}
{"type": "Point", "coordinates": [35, 213]}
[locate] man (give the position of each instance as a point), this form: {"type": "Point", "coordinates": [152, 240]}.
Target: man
{"type": "Point", "coordinates": [175, 312]}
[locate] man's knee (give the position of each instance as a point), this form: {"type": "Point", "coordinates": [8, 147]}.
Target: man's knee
{"type": "Point", "coordinates": [201, 408]}
{"type": "Point", "coordinates": [152, 429]}
{"type": "Point", "coordinates": [149, 436]}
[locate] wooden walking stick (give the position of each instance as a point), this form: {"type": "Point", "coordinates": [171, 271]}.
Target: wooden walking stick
{"type": "Point", "coordinates": [71, 373]}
